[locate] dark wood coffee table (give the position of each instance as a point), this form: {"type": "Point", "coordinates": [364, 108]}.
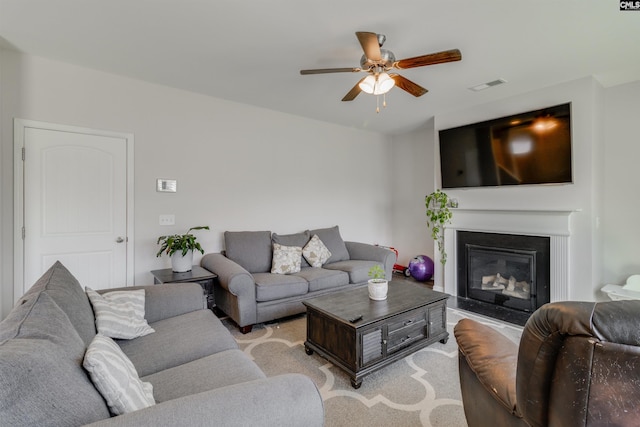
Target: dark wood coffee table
{"type": "Point", "coordinates": [361, 335]}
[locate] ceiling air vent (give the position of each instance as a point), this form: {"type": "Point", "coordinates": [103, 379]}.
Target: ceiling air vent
{"type": "Point", "coordinates": [487, 85]}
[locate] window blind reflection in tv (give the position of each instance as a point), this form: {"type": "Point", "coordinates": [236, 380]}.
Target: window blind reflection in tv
{"type": "Point", "coordinates": [526, 148]}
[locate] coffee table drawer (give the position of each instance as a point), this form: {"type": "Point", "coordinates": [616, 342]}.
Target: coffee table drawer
{"type": "Point", "coordinates": [408, 320]}
{"type": "Point", "coordinates": [406, 337]}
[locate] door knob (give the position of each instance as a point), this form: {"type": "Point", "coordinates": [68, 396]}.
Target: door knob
{"type": "Point", "coordinates": [119, 240]}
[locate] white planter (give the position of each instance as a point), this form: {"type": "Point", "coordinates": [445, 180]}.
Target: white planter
{"type": "Point", "coordinates": [181, 264]}
{"type": "Point", "coordinates": [378, 289]}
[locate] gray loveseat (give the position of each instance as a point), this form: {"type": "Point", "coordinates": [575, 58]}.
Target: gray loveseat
{"type": "Point", "coordinates": [199, 375]}
{"type": "Point", "coordinates": [249, 293]}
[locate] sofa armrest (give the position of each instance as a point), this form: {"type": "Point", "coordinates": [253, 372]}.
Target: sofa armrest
{"type": "Point", "coordinates": [284, 400]}
{"type": "Point", "coordinates": [367, 252]}
{"type": "Point", "coordinates": [231, 275]}
{"type": "Point", "coordinates": [168, 299]}
{"type": "Point", "coordinates": [492, 358]}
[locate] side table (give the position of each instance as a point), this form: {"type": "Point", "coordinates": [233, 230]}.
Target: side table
{"type": "Point", "coordinates": [197, 275]}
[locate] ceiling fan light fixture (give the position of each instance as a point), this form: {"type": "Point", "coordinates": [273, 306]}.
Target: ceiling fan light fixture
{"type": "Point", "coordinates": [368, 85]}
{"type": "Point", "coordinates": [378, 84]}
{"type": "Point", "coordinates": [384, 84]}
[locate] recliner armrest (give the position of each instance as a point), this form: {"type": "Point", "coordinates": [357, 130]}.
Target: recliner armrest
{"type": "Point", "coordinates": [492, 357]}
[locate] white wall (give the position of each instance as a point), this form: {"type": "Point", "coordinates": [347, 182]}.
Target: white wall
{"type": "Point", "coordinates": [237, 167]}
{"type": "Point", "coordinates": [584, 95]}
{"type": "Point", "coordinates": [413, 179]}
{"type": "Point", "coordinates": [231, 158]}
{"type": "Point", "coordinates": [621, 194]}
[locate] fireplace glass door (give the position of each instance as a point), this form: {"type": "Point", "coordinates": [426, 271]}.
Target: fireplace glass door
{"type": "Point", "coordinates": [505, 277]}
{"type": "Point", "coordinates": [508, 270]}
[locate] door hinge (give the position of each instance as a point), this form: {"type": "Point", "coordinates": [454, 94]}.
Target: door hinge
{"type": "Point", "coordinates": [23, 153]}
{"type": "Point", "coordinates": [23, 233]}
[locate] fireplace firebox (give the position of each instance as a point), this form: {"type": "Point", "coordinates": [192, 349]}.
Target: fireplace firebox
{"type": "Point", "coordinates": [507, 270]}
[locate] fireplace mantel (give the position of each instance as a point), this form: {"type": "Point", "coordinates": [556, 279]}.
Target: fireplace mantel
{"type": "Point", "coordinates": [555, 224]}
{"type": "Point", "coordinates": [521, 221]}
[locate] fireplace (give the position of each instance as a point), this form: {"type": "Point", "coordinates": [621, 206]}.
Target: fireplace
{"type": "Point", "coordinates": [506, 270]}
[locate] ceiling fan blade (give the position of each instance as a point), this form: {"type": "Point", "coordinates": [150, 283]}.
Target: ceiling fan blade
{"type": "Point", "coordinates": [408, 86]}
{"type": "Point", "coordinates": [330, 70]}
{"type": "Point", "coordinates": [370, 45]}
{"type": "Point", "coordinates": [430, 59]}
{"type": "Point", "coordinates": [355, 91]}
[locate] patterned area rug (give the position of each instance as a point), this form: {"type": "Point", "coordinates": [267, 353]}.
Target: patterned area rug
{"type": "Point", "coordinates": [423, 389]}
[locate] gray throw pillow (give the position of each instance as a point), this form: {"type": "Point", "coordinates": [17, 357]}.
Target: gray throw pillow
{"type": "Point", "coordinates": [333, 241]}
{"type": "Point", "coordinates": [251, 249]}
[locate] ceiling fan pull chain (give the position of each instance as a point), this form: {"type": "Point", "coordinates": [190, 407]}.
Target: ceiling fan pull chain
{"type": "Point", "coordinates": [384, 100]}
{"type": "Point", "coordinates": [377, 103]}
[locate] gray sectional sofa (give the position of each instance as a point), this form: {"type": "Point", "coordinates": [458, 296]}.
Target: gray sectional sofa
{"type": "Point", "coordinates": [249, 293]}
{"type": "Point", "coordinates": [199, 375]}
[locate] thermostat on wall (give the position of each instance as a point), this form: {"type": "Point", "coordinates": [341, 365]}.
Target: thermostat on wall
{"type": "Point", "coordinates": [167, 185]}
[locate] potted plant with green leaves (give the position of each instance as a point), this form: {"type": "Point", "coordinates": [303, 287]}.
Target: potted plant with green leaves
{"type": "Point", "coordinates": [180, 248]}
{"type": "Point", "coordinates": [377, 285]}
{"type": "Point", "coordinates": [439, 214]}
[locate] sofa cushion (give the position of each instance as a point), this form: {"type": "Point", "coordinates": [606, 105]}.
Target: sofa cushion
{"type": "Point", "coordinates": [40, 385]}
{"type": "Point", "coordinates": [211, 372]}
{"type": "Point", "coordinates": [200, 333]}
{"type": "Point", "coordinates": [120, 314]}
{"type": "Point", "coordinates": [42, 381]}
{"type": "Point", "coordinates": [358, 270]}
{"type": "Point", "coordinates": [297, 239]}
{"type": "Point", "coordinates": [320, 278]}
{"type": "Point", "coordinates": [250, 249]}
{"type": "Point", "coordinates": [286, 259]}
{"type": "Point", "coordinates": [271, 287]}
{"type": "Point", "coordinates": [315, 252]}
{"type": "Point", "coordinates": [333, 241]}
{"type": "Point", "coordinates": [116, 378]}
{"type": "Point", "coordinates": [65, 290]}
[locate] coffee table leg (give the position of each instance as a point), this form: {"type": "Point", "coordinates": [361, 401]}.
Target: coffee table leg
{"type": "Point", "coordinates": [356, 383]}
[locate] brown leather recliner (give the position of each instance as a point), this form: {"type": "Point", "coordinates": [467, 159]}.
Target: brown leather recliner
{"type": "Point", "coordinates": [578, 364]}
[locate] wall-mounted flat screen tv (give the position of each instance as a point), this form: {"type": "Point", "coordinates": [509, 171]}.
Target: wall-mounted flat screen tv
{"type": "Point", "coordinates": [526, 148]}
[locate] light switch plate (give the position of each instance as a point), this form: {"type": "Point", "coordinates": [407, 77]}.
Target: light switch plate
{"type": "Point", "coordinates": [167, 219]}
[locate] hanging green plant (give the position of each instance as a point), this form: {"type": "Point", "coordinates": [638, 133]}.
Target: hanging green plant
{"type": "Point", "coordinates": [438, 216]}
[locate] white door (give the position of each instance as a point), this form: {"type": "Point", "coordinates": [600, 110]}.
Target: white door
{"type": "Point", "coordinates": [76, 204]}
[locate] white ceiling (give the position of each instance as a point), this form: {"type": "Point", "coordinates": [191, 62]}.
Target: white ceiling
{"type": "Point", "coordinates": [251, 51]}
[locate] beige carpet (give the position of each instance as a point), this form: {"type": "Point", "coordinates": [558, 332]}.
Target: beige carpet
{"type": "Point", "coordinates": [420, 390]}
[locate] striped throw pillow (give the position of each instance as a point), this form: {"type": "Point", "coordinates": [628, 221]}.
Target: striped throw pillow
{"type": "Point", "coordinates": [120, 314]}
{"type": "Point", "coordinates": [115, 377]}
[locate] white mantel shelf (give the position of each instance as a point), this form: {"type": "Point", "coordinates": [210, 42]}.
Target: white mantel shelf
{"type": "Point", "coordinates": [519, 211]}
{"type": "Point", "coordinates": [520, 221]}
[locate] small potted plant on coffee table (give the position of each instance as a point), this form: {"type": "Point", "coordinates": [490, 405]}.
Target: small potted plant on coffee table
{"type": "Point", "coordinates": [180, 248]}
{"type": "Point", "coordinates": [378, 285]}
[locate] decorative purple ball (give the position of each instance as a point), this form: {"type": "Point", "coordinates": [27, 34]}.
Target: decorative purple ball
{"type": "Point", "coordinates": [421, 268]}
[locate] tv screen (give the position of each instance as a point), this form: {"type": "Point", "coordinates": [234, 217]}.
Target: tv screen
{"type": "Point", "coordinates": [526, 148]}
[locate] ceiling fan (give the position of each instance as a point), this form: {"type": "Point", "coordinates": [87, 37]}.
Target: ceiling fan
{"type": "Point", "coordinates": [376, 62]}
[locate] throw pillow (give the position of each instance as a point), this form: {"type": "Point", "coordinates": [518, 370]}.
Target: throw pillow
{"type": "Point", "coordinates": [297, 239]}
{"type": "Point", "coordinates": [315, 252]}
{"type": "Point", "coordinates": [115, 377]}
{"type": "Point", "coordinates": [286, 259]}
{"type": "Point", "coordinates": [120, 314]}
